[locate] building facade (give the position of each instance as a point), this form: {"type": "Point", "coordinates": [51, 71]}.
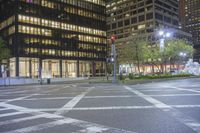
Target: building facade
{"type": "Point", "coordinates": [141, 16]}
{"type": "Point", "coordinates": [144, 19]}
{"type": "Point", "coordinates": [191, 22]}
{"type": "Point", "coordinates": [54, 38]}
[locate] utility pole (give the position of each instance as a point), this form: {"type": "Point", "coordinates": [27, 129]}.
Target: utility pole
{"type": "Point", "coordinates": [113, 38]}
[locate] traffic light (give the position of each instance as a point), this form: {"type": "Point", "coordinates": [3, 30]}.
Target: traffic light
{"type": "Point", "coordinates": [113, 38]}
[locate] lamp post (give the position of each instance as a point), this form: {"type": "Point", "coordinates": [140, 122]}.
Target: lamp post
{"type": "Point", "coordinates": [163, 34]}
{"type": "Point", "coordinates": [182, 55]}
{"type": "Point", "coordinates": [113, 58]}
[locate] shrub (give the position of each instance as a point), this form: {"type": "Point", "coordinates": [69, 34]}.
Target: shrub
{"type": "Point", "coordinates": [131, 76]}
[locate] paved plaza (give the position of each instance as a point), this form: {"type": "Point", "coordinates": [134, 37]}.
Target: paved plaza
{"type": "Point", "coordinates": [162, 107]}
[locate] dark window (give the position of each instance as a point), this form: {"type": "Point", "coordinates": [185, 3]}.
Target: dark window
{"type": "Point", "coordinates": [141, 10]}
{"type": "Point", "coordinates": [134, 20]}
{"type": "Point", "coordinates": [167, 19]}
{"type": "Point", "coordinates": [127, 22]}
{"type": "Point", "coordinates": [175, 22]}
{"type": "Point", "coordinates": [120, 24]}
{"type": "Point", "coordinates": [149, 2]}
{"type": "Point", "coordinates": [158, 16]}
{"type": "Point", "coordinates": [149, 16]}
{"type": "Point", "coordinates": [141, 18]}
{"type": "Point", "coordinates": [114, 25]}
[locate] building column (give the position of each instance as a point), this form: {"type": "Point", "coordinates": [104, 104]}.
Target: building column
{"type": "Point", "coordinates": [17, 67]}
{"type": "Point", "coordinates": [77, 70]}
{"type": "Point", "coordinates": [93, 69]}
{"type": "Point", "coordinates": [60, 65]}
{"type": "Point", "coordinates": [30, 69]}
{"type": "Point", "coordinates": [40, 68]}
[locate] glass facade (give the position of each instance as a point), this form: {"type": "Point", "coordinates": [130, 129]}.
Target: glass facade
{"type": "Point", "coordinates": [60, 38]}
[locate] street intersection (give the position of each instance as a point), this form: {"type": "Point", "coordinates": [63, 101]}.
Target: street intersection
{"type": "Point", "coordinates": [162, 107]}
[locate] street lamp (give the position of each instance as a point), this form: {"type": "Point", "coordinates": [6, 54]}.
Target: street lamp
{"type": "Point", "coordinates": [182, 54]}
{"type": "Point", "coordinates": [182, 58]}
{"type": "Point", "coordinates": [163, 34]}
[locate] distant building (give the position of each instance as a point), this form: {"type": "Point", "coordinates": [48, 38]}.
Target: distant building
{"type": "Point", "coordinates": [190, 16]}
{"type": "Point", "coordinates": [57, 38]}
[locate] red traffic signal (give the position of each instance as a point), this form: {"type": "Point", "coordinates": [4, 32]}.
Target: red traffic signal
{"type": "Point", "coordinates": [113, 38]}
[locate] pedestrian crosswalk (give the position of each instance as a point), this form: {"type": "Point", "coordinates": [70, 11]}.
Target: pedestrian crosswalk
{"type": "Point", "coordinates": [52, 120]}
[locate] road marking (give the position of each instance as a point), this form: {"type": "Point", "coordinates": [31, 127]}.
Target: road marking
{"type": "Point", "coordinates": [188, 121]}
{"type": "Point", "coordinates": [108, 108]}
{"type": "Point", "coordinates": [10, 114]}
{"type": "Point", "coordinates": [158, 90]}
{"type": "Point", "coordinates": [19, 120]}
{"type": "Point", "coordinates": [59, 120]}
{"type": "Point", "coordinates": [182, 89]}
{"type": "Point", "coordinates": [3, 109]}
{"type": "Point", "coordinates": [72, 103]}
{"type": "Point", "coordinates": [173, 95]}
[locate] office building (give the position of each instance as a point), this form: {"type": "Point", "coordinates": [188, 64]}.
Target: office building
{"type": "Point", "coordinates": [54, 38]}
{"type": "Point", "coordinates": [146, 17]}
{"type": "Point", "coordinates": [191, 22]}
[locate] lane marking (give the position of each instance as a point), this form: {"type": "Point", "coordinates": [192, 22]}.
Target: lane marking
{"type": "Point", "coordinates": [95, 97]}
{"type": "Point", "coordinates": [108, 108]}
{"type": "Point", "coordinates": [10, 114]}
{"type": "Point", "coordinates": [20, 120]}
{"type": "Point", "coordinates": [182, 89]}
{"type": "Point", "coordinates": [59, 120]}
{"type": "Point", "coordinates": [188, 121]}
{"type": "Point", "coordinates": [72, 103]}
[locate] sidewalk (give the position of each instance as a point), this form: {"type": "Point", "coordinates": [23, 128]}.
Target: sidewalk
{"type": "Point", "coordinates": [141, 81]}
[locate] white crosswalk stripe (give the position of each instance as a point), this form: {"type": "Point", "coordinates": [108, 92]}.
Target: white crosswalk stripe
{"type": "Point", "coordinates": [10, 114]}
{"type": "Point", "coordinates": [20, 120]}
{"type": "Point", "coordinates": [57, 120]}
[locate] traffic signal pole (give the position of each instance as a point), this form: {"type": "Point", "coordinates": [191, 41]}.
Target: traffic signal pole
{"type": "Point", "coordinates": [115, 65]}
{"type": "Point", "coordinates": [113, 38]}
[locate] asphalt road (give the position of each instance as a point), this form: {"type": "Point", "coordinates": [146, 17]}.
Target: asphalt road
{"type": "Point", "coordinates": [163, 107]}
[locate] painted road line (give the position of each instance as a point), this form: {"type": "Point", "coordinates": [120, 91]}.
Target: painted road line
{"type": "Point", "coordinates": [109, 108]}
{"type": "Point", "coordinates": [158, 90]}
{"type": "Point", "coordinates": [72, 103]}
{"type": "Point", "coordinates": [60, 120]}
{"type": "Point", "coordinates": [182, 89]}
{"type": "Point", "coordinates": [20, 120]}
{"type": "Point", "coordinates": [86, 97]}
{"type": "Point", "coordinates": [3, 109]}
{"type": "Point", "coordinates": [10, 114]}
{"type": "Point", "coordinates": [90, 128]}
{"type": "Point", "coordinates": [188, 121]}
{"type": "Point", "coordinates": [173, 95]}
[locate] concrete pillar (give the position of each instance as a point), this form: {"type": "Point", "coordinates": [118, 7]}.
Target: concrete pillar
{"type": "Point", "coordinates": [93, 69]}
{"type": "Point", "coordinates": [17, 67]}
{"type": "Point", "coordinates": [30, 69]}
{"type": "Point", "coordinates": [77, 70]}
{"type": "Point", "coordinates": [60, 65]}
{"type": "Point", "coordinates": [40, 68]}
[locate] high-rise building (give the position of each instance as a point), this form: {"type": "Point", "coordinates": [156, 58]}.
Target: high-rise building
{"type": "Point", "coordinates": [146, 17]}
{"type": "Point", "coordinates": [58, 38]}
{"type": "Point", "coordinates": [191, 19]}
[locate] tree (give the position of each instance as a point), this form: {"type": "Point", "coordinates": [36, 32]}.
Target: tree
{"type": "Point", "coordinates": [4, 51]}
{"type": "Point", "coordinates": [174, 47]}
{"type": "Point", "coordinates": [133, 52]}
